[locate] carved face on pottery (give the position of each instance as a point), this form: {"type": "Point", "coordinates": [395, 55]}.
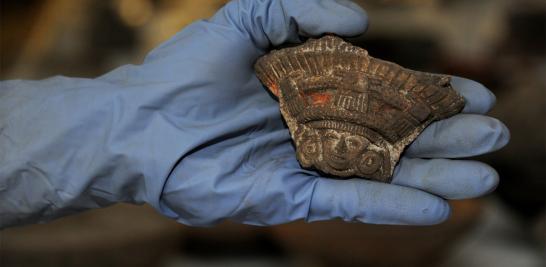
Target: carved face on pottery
{"type": "Point", "coordinates": [341, 153]}
{"type": "Point", "coordinates": [341, 149]}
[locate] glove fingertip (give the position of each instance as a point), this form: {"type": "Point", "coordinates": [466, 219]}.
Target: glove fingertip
{"type": "Point", "coordinates": [505, 135]}
{"type": "Point", "coordinates": [444, 214]}
{"type": "Point", "coordinates": [496, 135]}
{"type": "Point", "coordinates": [489, 180]}
{"type": "Point", "coordinates": [357, 23]}
{"type": "Point", "coordinates": [478, 98]}
{"type": "Point", "coordinates": [436, 211]}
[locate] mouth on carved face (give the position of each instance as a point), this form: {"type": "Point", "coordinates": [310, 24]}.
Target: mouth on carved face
{"type": "Point", "coordinates": [338, 162]}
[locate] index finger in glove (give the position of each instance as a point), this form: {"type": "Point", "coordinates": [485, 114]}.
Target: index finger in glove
{"type": "Point", "coordinates": [463, 135]}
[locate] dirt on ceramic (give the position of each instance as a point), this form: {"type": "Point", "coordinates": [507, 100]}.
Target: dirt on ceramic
{"type": "Point", "coordinates": [349, 114]}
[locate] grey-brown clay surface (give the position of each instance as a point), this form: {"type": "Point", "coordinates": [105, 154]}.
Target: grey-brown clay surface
{"type": "Point", "coordinates": [349, 114]}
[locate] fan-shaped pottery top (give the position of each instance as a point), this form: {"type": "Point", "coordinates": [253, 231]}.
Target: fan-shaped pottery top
{"type": "Point", "coordinates": [351, 114]}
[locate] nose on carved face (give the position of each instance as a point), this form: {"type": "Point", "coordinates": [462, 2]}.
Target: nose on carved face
{"type": "Point", "coordinates": [351, 144]}
{"type": "Point", "coordinates": [341, 146]}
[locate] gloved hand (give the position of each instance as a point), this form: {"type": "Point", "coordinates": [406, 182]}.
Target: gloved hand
{"type": "Point", "coordinates": [192, 132]}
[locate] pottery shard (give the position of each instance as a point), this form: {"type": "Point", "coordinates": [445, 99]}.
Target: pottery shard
{"type": "Point", "coordinates": [349, 114]}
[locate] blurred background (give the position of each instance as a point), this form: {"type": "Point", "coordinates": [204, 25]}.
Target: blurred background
{"type": "Point", "coordinates": [501, 43]}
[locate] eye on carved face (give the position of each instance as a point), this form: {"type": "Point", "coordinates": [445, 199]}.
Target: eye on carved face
{"type": "Point", "coordinates": [370, 162]}
{"type": "Point", "coordinates": [342, 148]}
{"type": "Point", "coordinates": [309, 149]}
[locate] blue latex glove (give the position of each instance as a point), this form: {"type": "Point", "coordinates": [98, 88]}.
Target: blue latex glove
{"type": "Point", "coordinates": [193, 133]}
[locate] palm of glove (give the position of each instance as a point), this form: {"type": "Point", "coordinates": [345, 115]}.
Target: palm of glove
{"type": "Point", "coordinates": [240, 163]}
{"type": "Point", "coordinates": [246, 169]}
